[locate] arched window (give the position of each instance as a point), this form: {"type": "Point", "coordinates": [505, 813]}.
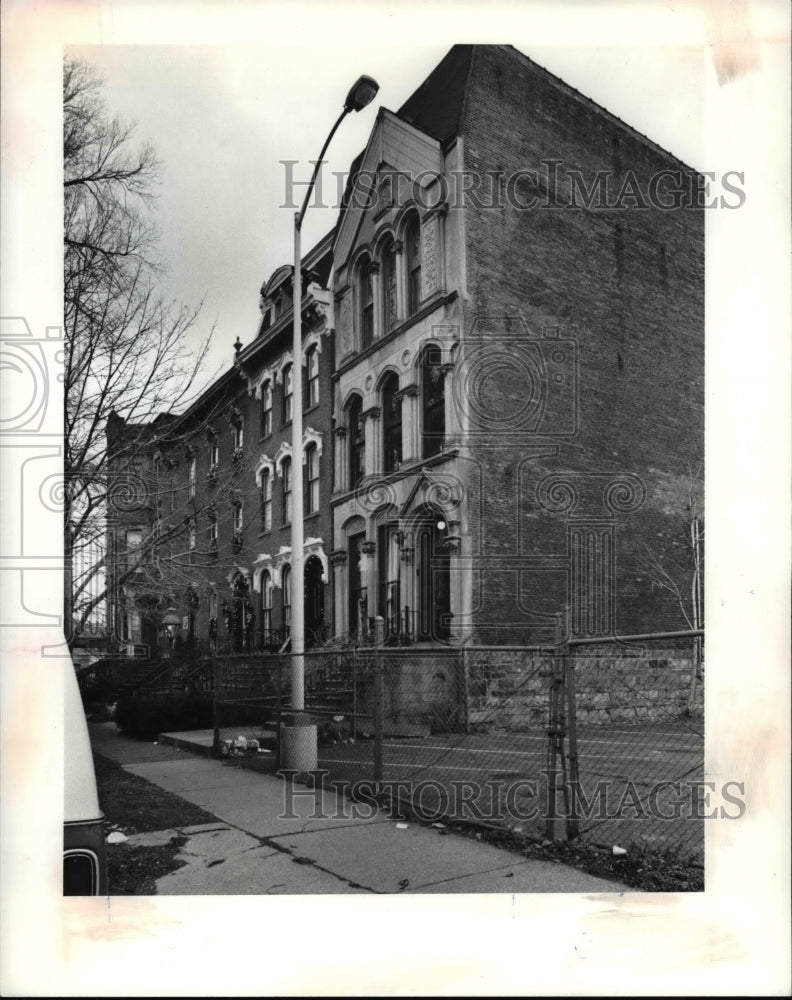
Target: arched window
{"type": "Point", "coordinates": [266, 605]}
{"type": "Point", "coordinates": [391, 424]}
{"type": "Point", "coordinates": [286, 596]}
{"type": "Point", "coordinates": [412, 249]}
{"type": "Point", "coordinates": [311, 499]}
{"type": "Point", "coordinates": [266, 500]}
{"type": "Point", "coordinates": [357, 442]}
{"type": "Point", "coordinates": [287, 489]}
{"type": "Point", "coordinates": [266, 409]}
{"type": "Point", "coordinates": [288, 389]}
{"type": "Point", "coordinates": [312, 377]}
{"type": "Point", "coordinates": [389, 299]}
{"type": "Point", "coordinates": [433, 402]}
{"type": "Point", "coordinates": [365, 288]}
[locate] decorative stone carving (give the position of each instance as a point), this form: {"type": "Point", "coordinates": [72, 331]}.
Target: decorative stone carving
{"type": "Point", "coordinates": [345, 332]}
{"type": "Point", "coordinates": [369, 548]}
{"type": "Point", "coordinates": [429, 263]}
{"type": "Point", "coordinates": [338, 557]}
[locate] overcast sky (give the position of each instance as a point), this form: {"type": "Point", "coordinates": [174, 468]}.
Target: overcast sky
{"type": "Point", "coordinates": [223, 117]}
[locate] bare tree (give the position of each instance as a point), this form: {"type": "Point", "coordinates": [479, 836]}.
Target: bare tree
{"type": "Point", "coordinates": [129, 351]}
{"type": "Point", "coordinates": [679, 569]}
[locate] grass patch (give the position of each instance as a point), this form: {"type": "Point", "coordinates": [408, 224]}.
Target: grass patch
{"type": "Point", "coordinates": [133, 871]}
{"type": "Point", "coordinates": [137, 806]}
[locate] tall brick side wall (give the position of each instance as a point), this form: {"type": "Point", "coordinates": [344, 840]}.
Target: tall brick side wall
{"type": "Point", "coordinates": [626, 286]}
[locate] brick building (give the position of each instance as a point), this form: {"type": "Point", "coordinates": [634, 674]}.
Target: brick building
{"type": "Point", "coordinates": [519, 377]}
{"type": "Point", "coordinates": [503, 371]}
{"type": "Point", "coordinates": [201, 508]}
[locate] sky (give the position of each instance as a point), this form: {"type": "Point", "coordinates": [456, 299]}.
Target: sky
{"type": "Point", "coordinates": [222, 118]}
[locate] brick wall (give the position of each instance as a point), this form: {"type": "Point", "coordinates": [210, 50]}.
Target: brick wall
{"type": "Point", "coordinates": [627, 287]}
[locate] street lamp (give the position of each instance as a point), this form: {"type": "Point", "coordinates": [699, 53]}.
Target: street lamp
{"type": "Point", "coordinates": [171, 625]}
{"type": "Point", "coordinates": [360, 95]}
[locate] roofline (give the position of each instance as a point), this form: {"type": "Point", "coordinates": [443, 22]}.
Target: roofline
{"type": "Point", "coordinates": [578, 95]}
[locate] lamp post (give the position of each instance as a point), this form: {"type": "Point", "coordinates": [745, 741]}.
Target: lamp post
{"type": "Point", "coordinates": [362, 93]}
{"type": "Point", "coordinates": [171, 625]}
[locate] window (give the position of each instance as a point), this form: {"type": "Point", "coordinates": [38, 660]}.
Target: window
{"type": "Point", "coordinates": [287, 489]}
{"type": "Point", "coordinates": [311, 479]}
{"type": "Point", "coordinates": [266, 409]}
{"type": "Point", "coordinates": [212, 530]}
{"type": "Point", "coordinates": [191, 534]}
{"type": "Point", "coordinates": [412, 245]}
{"type": "Point", "coordinates": [192, 466]}
{"type": "Point", "coordinates": [214, 452]}
{"type": "Point", "coordinates": [237, 517]}
{"type": "Point", "coordinates": [312, 377]}
{"type": "Point", "coordinates": [357, 442]}
{"type": "Point", "coordinates": [389, 299]}
{"type": "Point", "coordinates": [391, 424]}
{"type": "Point", "coordinates": [433, 398]}
{"type": "Point", "coordinates": [286, 593]}
{"type": "Point", "coordinates": [365, 302]}
{"type": "Point", "coordinates": [238, 433]}
{"type": "Point", "coordinates": [266, 603]}
{"type": "Point", "coordinates": [266, 500]}
{"type": "Point", "coordinates": [288, 390]}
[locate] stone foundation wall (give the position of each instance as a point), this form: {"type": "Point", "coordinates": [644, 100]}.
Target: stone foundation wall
{"type": "Point", "coordinates": [511, 691]}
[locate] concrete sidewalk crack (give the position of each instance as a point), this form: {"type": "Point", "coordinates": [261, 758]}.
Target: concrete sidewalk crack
{"type": "Point", "coordinates": [456, 878]}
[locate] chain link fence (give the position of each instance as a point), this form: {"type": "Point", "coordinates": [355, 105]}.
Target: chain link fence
{"type": "Point", "coordinates": [600, 740]}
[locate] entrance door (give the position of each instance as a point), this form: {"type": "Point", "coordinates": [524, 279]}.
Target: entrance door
{"type": "Point", "coordinates": [357, 592]}
{"type": "Point", "coordinates": [314, 602]}
{"type": "Point", "coordinates": [434, 590]}
{"type": "Point", "coordinates": [241, 617]}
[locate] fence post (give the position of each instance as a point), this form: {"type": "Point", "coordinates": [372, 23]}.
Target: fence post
{"type": "Point", "coordinates": [278, 707]}
{"type": "Point", "coordinates": [215, 707]}
{"type": "Point", "coordinates": [379, 637]}
{"type": "Point", "coordinates": [556, 768]}
{"type": "Point", "coordinates": [573, 820]}
{"type": "Point", "coordinates": [354, 694]}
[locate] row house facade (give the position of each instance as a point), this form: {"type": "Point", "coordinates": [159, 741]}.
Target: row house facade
{"type": "Point", "coordinates": [205, 519]}
{"type": "Point", "coordinates": [503, 387]}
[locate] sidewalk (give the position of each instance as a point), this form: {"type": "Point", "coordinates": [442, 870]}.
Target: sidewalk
{"type": "Point", "coordinates": [323, 848]}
